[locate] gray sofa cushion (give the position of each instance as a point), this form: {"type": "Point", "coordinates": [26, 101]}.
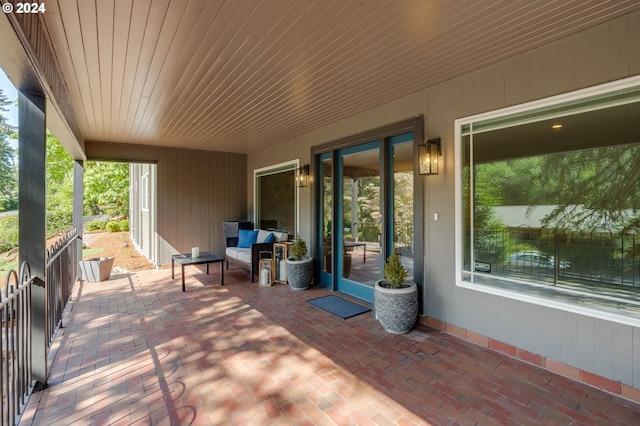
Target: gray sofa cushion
{"type": "Point", "coordinates": [240, 254]}
{"type": "Point", "coordinates": [244, 254]}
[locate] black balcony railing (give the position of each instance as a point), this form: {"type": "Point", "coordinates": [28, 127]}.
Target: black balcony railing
{"type": "Point", "coordinates": [15, 344]}
{"type": "Point", "coordinates": [60, 276]}
{"type": "Point", "coordinates": [16, 382]}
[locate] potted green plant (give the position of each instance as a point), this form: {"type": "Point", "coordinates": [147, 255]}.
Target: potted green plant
{"type": "Point", "coordinates": [395, 298]}
{"type": "Point", "coordinates": [299, 266]}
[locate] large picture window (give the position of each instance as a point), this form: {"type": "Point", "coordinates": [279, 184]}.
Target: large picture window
{"type": "Point", "coordinates": [549, 200]}
{"type": "Point", "coordinates": [276, 197]}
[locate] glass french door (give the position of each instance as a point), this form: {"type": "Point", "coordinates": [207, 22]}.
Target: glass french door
{"type": "Point", "coordinates": [359, 218]}
{"type": "Point", "coordinates": [325, 222]}
{"type": "Point", "coordinates": [365, 212]}
{"type": "Point", "coordinates": [400, 230]}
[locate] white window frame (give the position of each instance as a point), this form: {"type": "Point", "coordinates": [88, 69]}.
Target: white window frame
{"type": "Point", "coordinates": [276, 168]}
{"type": "Point", "coordinates": [459, 208]}
{"type": "Point", "coordinates": [144, 192]}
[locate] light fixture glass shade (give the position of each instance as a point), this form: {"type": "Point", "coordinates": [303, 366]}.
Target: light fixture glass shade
{"type": "Point", "coordinates": [302, 176]}
{"type": "Point", "coordinates": [428, 154]}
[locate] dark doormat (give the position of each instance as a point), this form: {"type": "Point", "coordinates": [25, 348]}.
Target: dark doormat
{"type": "Point", "coordinates": [338, 306]}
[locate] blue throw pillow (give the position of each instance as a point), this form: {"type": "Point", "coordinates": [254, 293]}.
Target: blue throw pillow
{"type": "Point", "coordinates": [247, 237]}
{"type": "Point", "coordinates": [270, 238]}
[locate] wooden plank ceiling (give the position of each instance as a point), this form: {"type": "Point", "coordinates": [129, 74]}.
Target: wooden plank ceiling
{"type": "Point", "coordinates": [241, 75]}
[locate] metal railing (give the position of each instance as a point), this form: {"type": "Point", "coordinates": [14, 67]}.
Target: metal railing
{"type": "Point", "coordinates": [546, 254]}
{"type": "Point", "coordinates": [60, 276]}
{"type": "Point", "coordinates": [15, 344]}
{"type": "Point", "coordinates": [16, 380]}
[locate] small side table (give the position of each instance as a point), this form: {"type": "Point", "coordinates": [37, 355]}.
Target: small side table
{"type": "Point", "coordinates": [205, 257]}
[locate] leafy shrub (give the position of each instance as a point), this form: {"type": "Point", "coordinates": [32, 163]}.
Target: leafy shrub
{"type": "Point", "coordinates": [8, 233]}
{"type": "Point", "coordinates": [113, 227]}
{"type": "Point", "coordinates": [394, 272]}
{"type": "Point", "coordinates": [59, 220]}
{"type": "Point", "coordinates": [6, 245]}
{"type": "Point", "coordinates": [124, 225]}
{"type": "Point", "coordinates": [96, 225]}
{"type": "Point", "coordinates": [298, 249]}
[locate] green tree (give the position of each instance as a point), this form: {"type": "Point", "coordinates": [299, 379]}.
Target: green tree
{"type": "Point", "coordinates": [106, 184]}
{"type": "Point", "coordinates": [8, 173]}
{"type": "Point", "coordinates": [59, 170]}
{"type": "Point", "coordinates": [59, 163]}
{"type": "Point", "coordinates": [106, 188]}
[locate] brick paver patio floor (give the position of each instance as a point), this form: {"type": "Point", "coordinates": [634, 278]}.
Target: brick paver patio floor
{"type": "Point", "coordinates": [137, 350]}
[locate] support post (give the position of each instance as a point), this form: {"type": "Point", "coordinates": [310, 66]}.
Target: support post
{"type": "Point", "coordinates": [32, 229]}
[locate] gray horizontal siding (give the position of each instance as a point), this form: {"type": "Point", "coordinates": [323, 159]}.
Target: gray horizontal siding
{"type": "Point", "coordinates": [604, 53]}
{"type": "Point", "coordinates": [197, 191]}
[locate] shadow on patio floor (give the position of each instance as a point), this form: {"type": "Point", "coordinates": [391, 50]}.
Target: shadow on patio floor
{"type": "Point", "coordinates": [137, 350]}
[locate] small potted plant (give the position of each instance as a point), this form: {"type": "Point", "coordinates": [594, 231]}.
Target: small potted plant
{"type": "Point", "coordinates": [396, 299]}
{"type": "Point", "coordinates": [299, 266]}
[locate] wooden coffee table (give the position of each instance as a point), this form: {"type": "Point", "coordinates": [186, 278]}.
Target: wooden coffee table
{"type": "Point", "coordinates": [187, 259]}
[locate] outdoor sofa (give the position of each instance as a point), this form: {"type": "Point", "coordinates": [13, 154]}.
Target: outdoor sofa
{"type": "Point", "coordinates": [245, 247]}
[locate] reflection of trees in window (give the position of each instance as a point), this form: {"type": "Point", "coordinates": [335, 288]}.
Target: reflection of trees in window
{"type": "Point", "coordinates": [593, 188]}
{"type": "Point", "coordinates": [489, 242]}
{"type": "Point", "coordinates": [361, 203]}
{"type": "Point", "coordinates": [327, 207]}
{"type": "Point", "coordinates": [327, 198]}
{"type": "Point", "coordinates": [488, 239]}
{"type": "Point", "coordinates": [555, 207]}
{"type": "Point", "coordinates": [369, 210]}
{"type": "Point", "coordinates": [347, 215]}
{"type": "Point", "coordinates": [365, 226]}
{"type": "Point", "coordinates": [591, 200]}
{"type": "Point", "coordinates": [276, 201]}
{"type": "Point", "coordinates": [597, 188]}
{"type": "Point", "coordinates": [403, 209]}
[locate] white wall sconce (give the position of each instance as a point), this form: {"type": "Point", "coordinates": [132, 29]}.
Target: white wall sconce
{"type": "Point", "coordinates": [302, 176]}
{"type": "Point", "coordinates": [428, 154]}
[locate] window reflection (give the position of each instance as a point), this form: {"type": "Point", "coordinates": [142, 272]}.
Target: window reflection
{"type": "Point", "coordinates": [553, 204]}
{"type": "Point", "coordinates": [276, 203]}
